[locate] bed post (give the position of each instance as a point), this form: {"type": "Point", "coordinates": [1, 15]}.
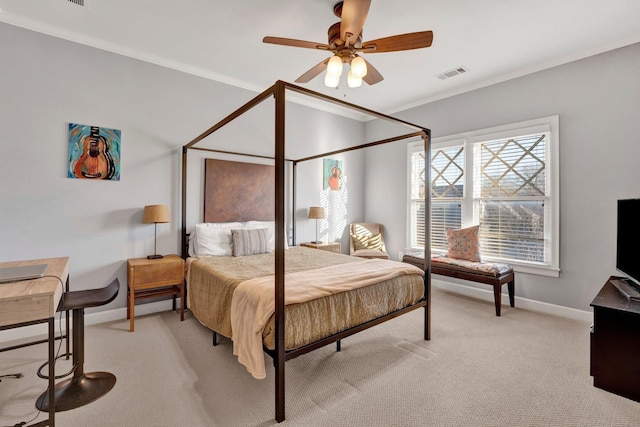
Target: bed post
{"type": "Point", "coordinates": [279, 249]}
{"type": "Point", "coordinates": [184, 249]}
{"type": "Point", "coordinates": [427, 233]}
{"type": "Point", "coordinates": [293, 202]}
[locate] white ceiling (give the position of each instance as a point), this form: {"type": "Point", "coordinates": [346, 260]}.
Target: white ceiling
{"type": "Point", "coordinates": [222, 40]}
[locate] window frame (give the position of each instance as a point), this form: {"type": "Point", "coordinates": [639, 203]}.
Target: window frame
{"type": "Point", "coordinates": [470, 214]}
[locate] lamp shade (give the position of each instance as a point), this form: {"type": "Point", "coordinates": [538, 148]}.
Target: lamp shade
{"type": "Point", "coordinates": [154, 214]}
{"type": "Point", "coordinates": [334, 66]}
{"type": "Point", "coordinates": [316, 212]}
{"type": "Point", "coordinates": [353, 81]}
{"type": "Point", "coordinates": [358, 67]}
{"type": "Point", "coordinates": [331, 81]}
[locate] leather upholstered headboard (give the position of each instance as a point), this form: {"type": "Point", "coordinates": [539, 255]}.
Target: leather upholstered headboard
{"type": "Point", "coordinates": [237, 191]}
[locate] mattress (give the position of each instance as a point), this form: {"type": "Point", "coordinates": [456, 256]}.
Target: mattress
{"type": "Point", "coordinates": [212, 281]}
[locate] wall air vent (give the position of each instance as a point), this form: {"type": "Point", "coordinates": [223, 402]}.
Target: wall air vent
{"type": "Point", "coordinates": [78, 2]}
{"type": "Point", "coordinates": [452, 73]}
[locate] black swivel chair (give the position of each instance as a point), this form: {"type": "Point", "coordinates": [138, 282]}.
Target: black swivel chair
{"type": "Point", "coordinates": [83, 388]}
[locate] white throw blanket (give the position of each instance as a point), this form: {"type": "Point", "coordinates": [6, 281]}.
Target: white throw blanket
{"type": "Point", "coordinates": [253, 301]}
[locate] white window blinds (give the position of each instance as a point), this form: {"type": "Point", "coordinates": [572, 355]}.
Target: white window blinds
{"type": "Point", "coordinates": [510, 197]}
{"type": "Point", "coordinates": [417, 186]}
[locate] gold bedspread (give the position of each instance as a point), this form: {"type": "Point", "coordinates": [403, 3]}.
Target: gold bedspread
{"type": "Point", "coordinates": [212, 280]}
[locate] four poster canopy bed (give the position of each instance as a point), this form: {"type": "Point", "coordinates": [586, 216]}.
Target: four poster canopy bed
{"type": "Point", "coordinates": [245, 283]}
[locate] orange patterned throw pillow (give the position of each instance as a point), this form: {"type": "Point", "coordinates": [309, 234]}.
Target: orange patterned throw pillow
{"type": "Point", "coordinates": [463, 244]}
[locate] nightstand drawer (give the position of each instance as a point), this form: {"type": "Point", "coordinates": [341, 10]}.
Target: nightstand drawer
{"type": "Point", "coordinates": [156, 274]}
{"type": "Point", "coordinates": [152, 278]}
{"type": "Point", "coordinates": [168, 270]}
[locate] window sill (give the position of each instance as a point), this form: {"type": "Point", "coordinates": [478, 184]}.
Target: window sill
{"type": "Point", "coordinates": [531, 269]}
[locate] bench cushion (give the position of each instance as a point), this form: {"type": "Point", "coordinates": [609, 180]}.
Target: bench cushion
{"type": "Point", "coordinates": [491, 269]}
{"type": "Point", "coordinates": [442, 265]}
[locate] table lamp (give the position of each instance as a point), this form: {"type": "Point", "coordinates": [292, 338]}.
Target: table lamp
{"type": "Point", "coordinates": [154, 214]}
{"type": "Point", "coordinates": [316, 212]}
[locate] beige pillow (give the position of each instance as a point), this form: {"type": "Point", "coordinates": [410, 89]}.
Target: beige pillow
{"type": "Point", "coordinates": [367, 241]}
{"type": "Point", "coordinates": [250, 241]}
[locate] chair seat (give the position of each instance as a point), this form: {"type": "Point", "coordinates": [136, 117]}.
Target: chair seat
{"type": "Point", "coordinates": [370, 253]}
{"type": "Point", "coordinates": [89, 297]}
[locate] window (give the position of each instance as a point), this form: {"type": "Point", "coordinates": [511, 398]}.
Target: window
{"type": "Point", "coordinates": [504, 179]}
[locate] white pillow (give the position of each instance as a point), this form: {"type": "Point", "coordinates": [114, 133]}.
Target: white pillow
{"type": "Point", "coordinates": [270, 226]}
{"type": "Point", "coordinates": [214, 238]}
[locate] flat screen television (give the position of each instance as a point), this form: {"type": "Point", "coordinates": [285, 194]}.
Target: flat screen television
{"type": "Point", "coordinates": [628, 239]}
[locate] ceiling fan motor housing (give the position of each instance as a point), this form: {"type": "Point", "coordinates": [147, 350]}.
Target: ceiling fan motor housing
{"type": "Point", "coordinates": [335, 42]}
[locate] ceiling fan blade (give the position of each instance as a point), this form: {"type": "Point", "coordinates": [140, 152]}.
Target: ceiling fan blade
{"type": "Point", "coordinates": [354, 13]}
{"type": "Point", "coordinates": [373, 76]}
{"type": "Point", "coordinates": [295, 43]}
{"type": "Point", "coordinates": [400, 42]}
{"type": "Point", "coordinates": [313, 72]}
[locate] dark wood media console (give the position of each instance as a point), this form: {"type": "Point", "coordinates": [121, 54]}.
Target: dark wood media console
{"type": "Point", "coordinates": [615, 342]}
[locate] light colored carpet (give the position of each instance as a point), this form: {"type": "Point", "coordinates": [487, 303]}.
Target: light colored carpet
{"type": "Point", "coordinates": [521, 369]}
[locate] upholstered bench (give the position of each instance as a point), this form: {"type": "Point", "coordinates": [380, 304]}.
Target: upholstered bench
{"type": "Point", "coordinates": [494, 274]}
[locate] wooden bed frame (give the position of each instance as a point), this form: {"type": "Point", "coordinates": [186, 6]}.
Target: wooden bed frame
{"type": "Point", "coordinates": [275, 188]}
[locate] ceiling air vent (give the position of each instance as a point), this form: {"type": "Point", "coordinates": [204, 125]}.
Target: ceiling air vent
{"type": "Point", "coordinates": [78, 2]}
{"type": "Point", "coordinates": [452, 73]}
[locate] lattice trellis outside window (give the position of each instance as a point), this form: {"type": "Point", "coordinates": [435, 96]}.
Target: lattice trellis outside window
{"type": "Point", "coordinates": [447, 193]}
{"type": "Point", "coordinates": [510, 196]}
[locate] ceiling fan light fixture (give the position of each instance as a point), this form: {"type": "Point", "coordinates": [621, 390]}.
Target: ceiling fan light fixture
{"type": "Point", "coordinates": [334, 67]}
{"type": "Point", "coordinates": [358, 67]}
{"type": "Point", "coordinates": [353, 80]}
{"type": "Point", "coordinates": [331, 81]}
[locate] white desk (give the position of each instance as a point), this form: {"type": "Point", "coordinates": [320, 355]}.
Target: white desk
{"type": "Point", "coordinates": [35, 301]}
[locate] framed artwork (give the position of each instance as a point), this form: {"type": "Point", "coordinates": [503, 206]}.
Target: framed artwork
{"type": "Point", "coordinates": [332, 174]}
{"type": "Point", "coordinates": [94, 152]}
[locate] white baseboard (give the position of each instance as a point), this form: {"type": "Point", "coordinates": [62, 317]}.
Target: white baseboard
{"type": "Point", "coordinates": [28, 332]}
{"type": "Point", "coordinates": [40, 330]}
{"type": "Point", "coordinates": [528, 304]}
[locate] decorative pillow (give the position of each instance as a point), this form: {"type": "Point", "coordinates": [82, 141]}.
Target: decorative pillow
{"type": "Point", "coordinates": [463, 244]}
{"type": "Point", "coordinates": [270, 226]}
{"type": "Point", "coordinates": [250, 241]}
{"type": "Point", "coordinates": [367, 241]}
{"type": "Point", "coordinates": [213, 238]}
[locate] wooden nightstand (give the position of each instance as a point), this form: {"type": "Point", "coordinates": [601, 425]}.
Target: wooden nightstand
{"type": "Point", "coordinates": [149, 278]}
{"type": "Point", "coordinates": [330, 247]}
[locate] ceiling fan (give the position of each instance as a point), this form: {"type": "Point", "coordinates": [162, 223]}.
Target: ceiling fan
{"type": "Point", "coordinates": [345, 41]}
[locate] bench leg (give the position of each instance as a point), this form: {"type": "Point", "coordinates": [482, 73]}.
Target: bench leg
{"type": "Point", "coordinates": [511, 286]}
{"type": "Point", "coordinates": [497, 297]}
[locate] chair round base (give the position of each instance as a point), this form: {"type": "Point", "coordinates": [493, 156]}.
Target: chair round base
{"type": "Point", "coordinates": [78, 391]}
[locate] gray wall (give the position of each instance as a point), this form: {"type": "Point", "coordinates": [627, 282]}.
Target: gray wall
{"type": "Point", "coordinates": [597, 100]}
{"type": "Point", "coordinates": [46, 82]}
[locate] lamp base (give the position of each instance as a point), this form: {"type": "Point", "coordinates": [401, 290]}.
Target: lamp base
{"type": "Point", "coordinates": [156, 256]}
